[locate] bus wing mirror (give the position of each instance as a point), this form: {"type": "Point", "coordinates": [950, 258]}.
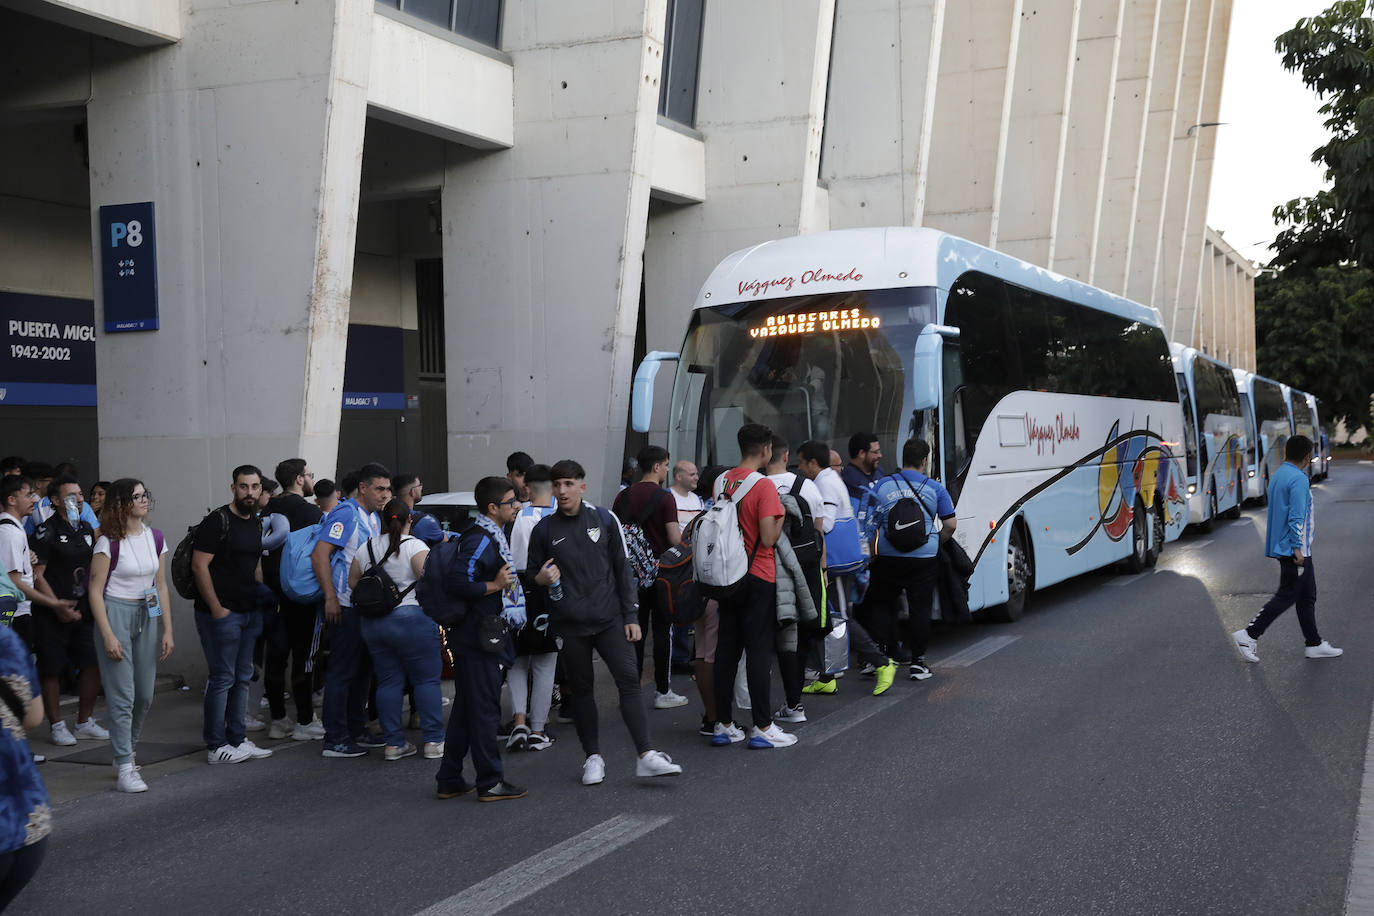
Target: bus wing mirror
{"type": "Point", "coordinates": [642, 391]}
{"type": "Point", "coordinates": [925, 366]}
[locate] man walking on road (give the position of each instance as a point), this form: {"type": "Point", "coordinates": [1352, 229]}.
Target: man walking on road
{"type": "Point", "coordinates": [580, 557]}
{"type": "Point", "coordinates": [1289, 540]}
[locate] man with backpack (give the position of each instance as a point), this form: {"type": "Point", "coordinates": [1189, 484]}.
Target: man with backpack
{"type": "Point", "coordinates": [352, 524]}
{"type": "Point", "coordinates": [648, 516]}
{"type": "Point", "coordinates": [293, 631]}
{"type": "Point", "coordinates": [481, 578]}
{"type": "Point", "coordinates": [900, 517]}
{"type": "Point", "coordinates": [226, 563]}
{"type": "Point", "coordinates": [580, 557]}
{"type": "Point", "coordinates": [743, 497]}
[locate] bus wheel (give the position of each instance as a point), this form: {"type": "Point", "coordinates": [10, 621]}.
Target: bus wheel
{"type": "Point", "coordinates": [1020, 576]}
{"type": "Point", "coordinates": [1157, 536]}
{"type": "Point", "coordinates": [1140, 540]}
{"type": "Point", "coordinates": [1209, 524]}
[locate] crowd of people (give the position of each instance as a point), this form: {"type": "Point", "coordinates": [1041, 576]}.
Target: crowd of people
{"type": "Point", "coordinates": [520, 601]}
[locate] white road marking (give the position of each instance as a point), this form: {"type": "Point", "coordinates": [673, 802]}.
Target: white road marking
{"type": "Point", "coordinates": [1359, 890]}
{"type": "Point", "coordinates": [976, 652]}
{"type": "Point", "coordinates": [836, 723]}
{"type": "Point", "coordinates": [544, 868]}
{"type": "Point", "coordinates": [1202, 543]}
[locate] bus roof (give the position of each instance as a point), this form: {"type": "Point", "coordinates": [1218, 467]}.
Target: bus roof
{"type": "Point", "coordinates": [1184, 355]}
{"type": "Point", "coordinates": [887, 258]}
{"type": "Point", "coordinates": [1245, 379]}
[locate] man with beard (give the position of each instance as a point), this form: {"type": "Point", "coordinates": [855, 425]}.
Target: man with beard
{"type": "Point", "coordinates": [227, 564]}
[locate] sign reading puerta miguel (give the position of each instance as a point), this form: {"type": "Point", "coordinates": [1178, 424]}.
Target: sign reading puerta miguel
{"type": "Point", "coordinates": [47, 355]}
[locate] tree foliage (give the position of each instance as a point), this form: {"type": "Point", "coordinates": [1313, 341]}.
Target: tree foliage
{"type": "Point", "coordinates": [1334, 55]}
{"type": "Point", "coordinates": [1315, 331]}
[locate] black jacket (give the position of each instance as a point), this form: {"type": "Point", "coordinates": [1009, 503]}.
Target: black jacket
{"type": "Point", "coordinates": [599, 589]}
{"type": "Point", "coordinates": [955, 570]}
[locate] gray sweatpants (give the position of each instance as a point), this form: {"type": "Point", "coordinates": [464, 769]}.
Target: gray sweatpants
{"type": "Point", "coordinates": [128, 683]}
{"type": "Point", "coordinates": [540, 697]}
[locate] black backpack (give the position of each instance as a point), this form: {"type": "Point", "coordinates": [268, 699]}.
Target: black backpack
{"type": "Point", "coordinates": [679, 598]}
{"type": "Point", "coordinates": [802, 534]}
{"type": "Point", "coordinates": [906, 520]}
{"type": "Point", "coordinates": [438, 603]}
{"type": "Point", "coordinates": [183, 579]}
{"type": "Point", "coordinates": [375, 594]}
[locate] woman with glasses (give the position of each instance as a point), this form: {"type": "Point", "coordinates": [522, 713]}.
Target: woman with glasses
{"type": "Point", "coordinates": [128, 596]}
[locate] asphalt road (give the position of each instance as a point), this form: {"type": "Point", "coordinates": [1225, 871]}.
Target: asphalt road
{"type": "Point", "coordinates": [1109, 753]}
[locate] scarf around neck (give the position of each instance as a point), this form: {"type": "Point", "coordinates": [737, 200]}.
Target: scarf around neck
{"type": "Point", "coordinates": [512, 599]}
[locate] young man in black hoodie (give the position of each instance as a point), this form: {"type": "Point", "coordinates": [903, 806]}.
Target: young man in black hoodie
{"type": "Point", "coordinates": [478, 576]}
{"type": "Point", "coordinates": [593, 604]}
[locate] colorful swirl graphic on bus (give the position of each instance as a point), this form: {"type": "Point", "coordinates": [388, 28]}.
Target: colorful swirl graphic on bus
{"type": "Point", "coordinates": [1225, 469]}
{"type": "Point", "coordinates": [1136, 464]}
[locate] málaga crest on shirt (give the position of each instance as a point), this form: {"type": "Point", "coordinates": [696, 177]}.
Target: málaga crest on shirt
{"type": "Point", "coordinates": [594, 534]}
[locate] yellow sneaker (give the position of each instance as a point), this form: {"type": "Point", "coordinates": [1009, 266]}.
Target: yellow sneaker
{"type": "Point", "coordinates": [886, 674]}
{"type": "Point", "coordinates": [816, 687]}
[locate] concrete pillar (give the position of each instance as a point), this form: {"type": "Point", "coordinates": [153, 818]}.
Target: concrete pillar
{"type": "Point", "coordinates": [1032, 167]}
{"type": "Point", "coordinates": [978, 52]}
{"type": "Point", "coordinates": [1184, 231]}
{"type": "Point", "coordinates": [1098, 53]}
{"type": "Point", "coordinates": [255, 245]}
{"type": "Point", "coordinates": [1143, 267]}
{"type": "Point", "coordinates": [544, 244]}
{"type": "Point", "coordinates": [882, 105]}
{"type": "Point", "coordinates": [1125, 144]}
{"type": "Point", "coordinates": [761, 171]}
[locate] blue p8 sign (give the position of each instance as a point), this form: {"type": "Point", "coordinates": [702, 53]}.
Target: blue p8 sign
{"type": "Point", "coordinates": [131, 233]}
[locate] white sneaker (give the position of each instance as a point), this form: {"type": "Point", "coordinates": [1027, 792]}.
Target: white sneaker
{"type": "Point", "coordinates": [669, 700]}
{"type": "Point", "coordinates": [91, 730]}
{"type": "Point", "coordinates": [1325, 650]}
{"type": "Point", "coordinates": [129, 780]}
{"type": "Point", "coordinates": [253, 724]}
{"type": "Point", "coordinates": [434, 750]}
{"type": "Point", "coordinates": [281, 728]}
{"type": "Point", "coordinates": [60, 735]}
{"type": "Point", "coordinates": [772, 736]}
{"type": "Point", "coordinates": [397, 753]}
{"type": "Point", "coordinates": [227, 753]}
{"type": "Point", "coordinates": [265, 704]}
{"type": "Point", "coordinates": [115, 765]}
{"type": "Point", "coordinates": [791, 714]}
{"type": "Point", "coordinates": [1247, 646]}
{"type": "Point", "coordinates": [656, 763]}
{"type": "Point", "coordinates": [594, 770]}
{"type": "Point", "coordinates": [725, 735]}
{"type": "Point", "coordinates": [309, 731]}
{"type": "Point", "coordinates": [253, 751]}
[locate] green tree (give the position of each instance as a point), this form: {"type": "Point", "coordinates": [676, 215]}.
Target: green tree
{"type": "Point", "coordinates": [1315, 331]}
{"type": "Point", "coordinates": [1334, 54]}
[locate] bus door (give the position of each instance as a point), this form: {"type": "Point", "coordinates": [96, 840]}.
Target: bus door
{"type": "Point", "coordinates": [1190, 445]}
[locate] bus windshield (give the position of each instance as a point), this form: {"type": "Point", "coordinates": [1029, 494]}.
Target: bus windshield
{"type": "Point", "coordinates": [810, 367]}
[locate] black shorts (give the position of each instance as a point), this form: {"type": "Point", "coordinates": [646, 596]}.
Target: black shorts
{"type": "Point", "coordinates": [58, 645]}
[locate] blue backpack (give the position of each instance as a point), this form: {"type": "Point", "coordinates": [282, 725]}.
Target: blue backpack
{"type": "Point", "coordinates": [298, 580]}
{"type": "Point", "coordinates": [431, 589]}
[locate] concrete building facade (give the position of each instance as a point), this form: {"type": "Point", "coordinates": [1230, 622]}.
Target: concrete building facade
{"type": "Point", "coordinates": [432, 232]}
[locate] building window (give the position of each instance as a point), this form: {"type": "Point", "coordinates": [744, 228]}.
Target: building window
{"type": "Point", "coordinates": [677, 89]}
{"type": "Point", "coordinates": [479, 20]}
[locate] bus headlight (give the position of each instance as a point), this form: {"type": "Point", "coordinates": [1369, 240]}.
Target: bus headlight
{"type": "Point", "coordinates": [1252, 473]}
{"type": "Point", "coordinates": [1192, 488]}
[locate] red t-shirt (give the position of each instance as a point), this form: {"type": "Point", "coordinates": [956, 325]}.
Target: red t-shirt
{"type": "Point", "coordinates": [760, 502]}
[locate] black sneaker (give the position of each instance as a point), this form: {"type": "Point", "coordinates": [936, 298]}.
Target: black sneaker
{"type": "Point", "coordinates": [502, 791]}
{"type": "Point", "coordinates": [919, 671]}
{"type": "Point", "coordinates": [868, 670]}
{"type": "Point", "coordinates": [369, 740]}
{"type": "Point", "coordinates": [707, 728]}
{"type": "Point", "coordinates": [518, 737]}
{"type": "Point", "coordinates": [565, 714]}
{"type": "Point", "coordinates": [453, 789]}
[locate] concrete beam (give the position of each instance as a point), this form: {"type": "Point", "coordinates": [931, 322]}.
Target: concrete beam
{"type": "Point", "coordinates": [973, 103]}
{"type": "Point", "coordinates": [1098, 52]}
{"type": "Point", "coordinates": [1032, 168]}
{"type": "Point", "coordinates": [141, 23]}
{"type": "Point", "coordinates": [679, 164]}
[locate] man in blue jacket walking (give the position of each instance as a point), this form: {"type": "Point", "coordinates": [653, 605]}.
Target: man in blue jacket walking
{"type": "Point", "coordinates": [1289, 540]}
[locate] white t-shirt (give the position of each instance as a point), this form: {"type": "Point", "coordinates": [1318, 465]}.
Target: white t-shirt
{"type": "Point", "coordinates": [814, 503]}
{"type": "Point", "coordinates": [835, 497]}
{"type": "Point", "coordinates": [520, 533]}
{"type": "Point", "coordinates": [14, 551]}
{"type": "Point", "coordinates": [688, 507]}
{"type": "Point", "coordinates": [136, 570]}
{"type": "Point", "coordinates": [397, 567]}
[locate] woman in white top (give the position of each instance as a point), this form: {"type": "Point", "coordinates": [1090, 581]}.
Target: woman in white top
{"type": "Point", "coordinates": [405, 643]}
{"type": "Point", "coordinates": [128, 595]}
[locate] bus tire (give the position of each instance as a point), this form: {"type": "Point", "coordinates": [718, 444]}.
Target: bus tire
{"type": "Point", "coordinates": [1020, 576]}
{"type": "Point", "coordinates": [1209, 524]}
{"type": "Point", "coordinates": [1139, 557]}
{"type": "Point", "coordinates": [1158, 533]}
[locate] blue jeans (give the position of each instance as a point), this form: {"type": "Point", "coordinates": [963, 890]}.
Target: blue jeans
{"type": "Point", "coordinates": [405, 644]}
{"type": "Point", "coordinates": [228, 645]}
{"type": "Point", "coordinates": [346, 681]}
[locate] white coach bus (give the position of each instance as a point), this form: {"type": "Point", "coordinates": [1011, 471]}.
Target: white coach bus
{"type": "Point", "coordinates": [1271, 426]}
{"type": "Point", "coordinates": [1051, 406]}
{"type": "Point", "coordinates": [1214, 436]}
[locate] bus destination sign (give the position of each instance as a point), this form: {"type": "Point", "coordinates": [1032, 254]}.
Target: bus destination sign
{"type": "Point", "coordinates": [811, 322]}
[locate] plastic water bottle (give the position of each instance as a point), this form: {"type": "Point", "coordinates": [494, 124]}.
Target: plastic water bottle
{"type": "Point", "coordinates": [556, 590]}
{"type": "Point", "coordinates": [73, 507]}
